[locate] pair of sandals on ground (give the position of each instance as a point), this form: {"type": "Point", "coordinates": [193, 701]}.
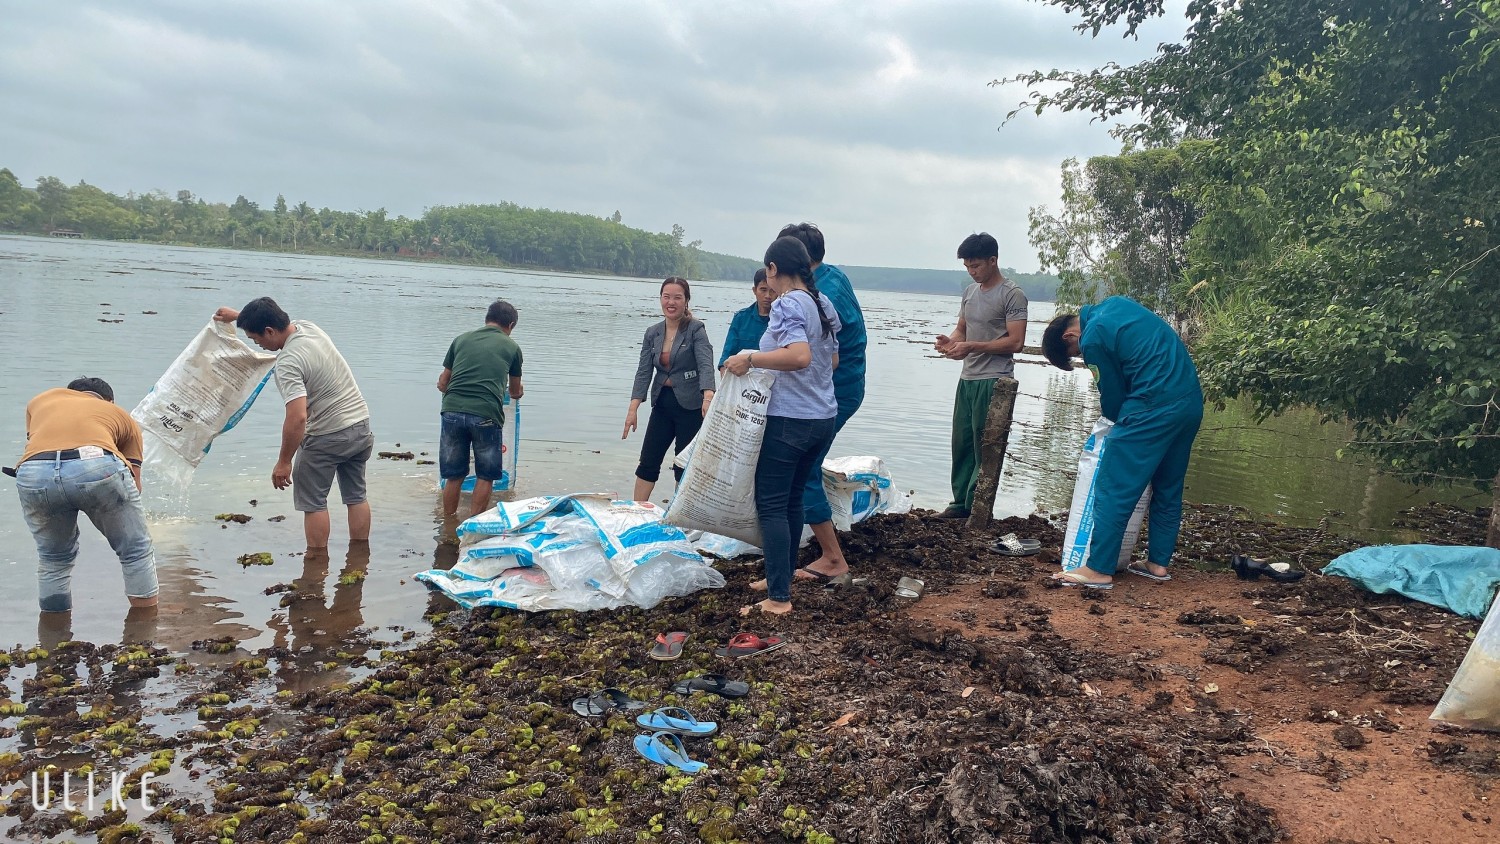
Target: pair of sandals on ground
{"type": "Point", "coordinates": [669, 726]}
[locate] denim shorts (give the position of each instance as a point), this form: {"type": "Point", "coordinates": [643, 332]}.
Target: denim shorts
{"type": "Point", "coordinates": [342, 454]}
{"type": "Point", "coordinates": [462, 432]}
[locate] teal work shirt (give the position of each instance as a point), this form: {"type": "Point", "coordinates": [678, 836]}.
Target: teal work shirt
{"type": "Point", "coordinates": [745, 329]}
{"type": "Point", "coordinates": [849, 378]}
{"type": "Point", "coordinates": [1142, 363]}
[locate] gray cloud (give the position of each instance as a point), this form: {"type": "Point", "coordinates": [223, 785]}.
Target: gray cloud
{"type": "Point", "coordinates": [872, 118]}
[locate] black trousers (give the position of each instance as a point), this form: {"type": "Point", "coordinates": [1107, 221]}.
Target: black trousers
{"type": "Point", "coordinates": [669, 420]}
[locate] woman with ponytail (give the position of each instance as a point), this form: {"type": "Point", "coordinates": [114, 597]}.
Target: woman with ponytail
{"type": "Point", "coordinates": [801, 345]}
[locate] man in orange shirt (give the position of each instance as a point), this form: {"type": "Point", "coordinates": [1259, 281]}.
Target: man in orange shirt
{"type": "Point", "coordinates": [83, 454]}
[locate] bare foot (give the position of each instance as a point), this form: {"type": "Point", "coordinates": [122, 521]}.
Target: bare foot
{"type": "Point", "coordinates": [1159, 571]}
{"type": "Point", "coordinates": [768, 606]}
{"type": "Point", "coordinates": [758, 586]}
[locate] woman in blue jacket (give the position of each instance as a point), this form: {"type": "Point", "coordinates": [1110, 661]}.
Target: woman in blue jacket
{"type": "Point", "coordinates": [749, 323]}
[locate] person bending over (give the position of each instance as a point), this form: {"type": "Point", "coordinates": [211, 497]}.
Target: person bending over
{"type": "Point", "coordinates": [83, 454]}
{"type": "Point", "coordinates": [1149, 386]}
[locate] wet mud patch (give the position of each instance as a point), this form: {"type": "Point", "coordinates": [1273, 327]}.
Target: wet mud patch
{"type": "Point", "coordinates": [874, 724]}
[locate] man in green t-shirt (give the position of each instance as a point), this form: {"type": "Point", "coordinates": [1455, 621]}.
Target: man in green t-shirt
{"type": "Point", "coordinates": [475, 374]}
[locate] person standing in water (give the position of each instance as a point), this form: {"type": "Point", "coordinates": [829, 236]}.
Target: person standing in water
{"type": "Point", "coordinates": [83, 454]}
{"type": "Point", "coordinates": [327, 423]}
{"type": "Point", "coordinates": [479, 369]}
{"type": "Point", "coordinates": [750, 322]}
{"type": "Point", "coordinates": [677, 371]}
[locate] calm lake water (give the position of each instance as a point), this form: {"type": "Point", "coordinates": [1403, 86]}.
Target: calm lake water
{"type": "Point", "coordinates": [124, 311]}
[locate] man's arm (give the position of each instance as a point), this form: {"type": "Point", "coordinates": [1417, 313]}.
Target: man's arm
{"type": "Point", "coordinates": [516, 390]}
{"type": "Point", "coordinates": [444, 379]}
{"type": "Point", "coordinates": [1012, 342]}
{"type": "Point", "coordinates": [226, 315]}
{"type": "Point", "coordinates": [947, 344]}
{"type": "Point", "coordinates": [293, 428]}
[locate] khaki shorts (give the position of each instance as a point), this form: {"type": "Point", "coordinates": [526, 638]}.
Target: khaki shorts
{"type": "Point", "coordinates": [342, 453]}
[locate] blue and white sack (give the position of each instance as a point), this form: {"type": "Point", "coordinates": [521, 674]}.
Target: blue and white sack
{"type": "Point", "coordinates": [1075, 550]}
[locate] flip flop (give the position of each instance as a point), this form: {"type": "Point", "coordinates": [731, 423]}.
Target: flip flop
{"type": "Point", "coordinates": [675, 719]}
{"type": "Point", "coordinates": [667, 749]}
{"type": "Point", "coordinates": [1073, 578]}
{"type": "Point", "coordinates": [668, 646]}
{"type": "Point", "coordinates": [1010, 546]}
{"type": "Point", "coordinates": [742, 645]}
{"type": "Point", "coordinates": [1137, 568]}
{"type": "Point", "coordinates": [606, 701]}
{"type": "Point", "coordinates": [716, 683]}
{"type": "Point", "coordinates": [806, 574]}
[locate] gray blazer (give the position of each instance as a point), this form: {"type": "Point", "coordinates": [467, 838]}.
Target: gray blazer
{"type": "Point", "coordinates": [692, 359]}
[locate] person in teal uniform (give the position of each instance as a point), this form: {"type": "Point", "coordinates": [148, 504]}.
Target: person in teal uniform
{"type": "Point", "coordinates": [749, 323]}
{"type": "Point", "coordinates": [1149, 387]}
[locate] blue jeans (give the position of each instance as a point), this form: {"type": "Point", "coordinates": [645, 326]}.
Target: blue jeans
{"type": "Point", "coordinates": [461, 432]}
{"type": "Point", "coordinates": [787, 456]}
{"type": "Point", "coordinates": [53, 492]}
{"type": "Point", "coordinates": [815, 509]}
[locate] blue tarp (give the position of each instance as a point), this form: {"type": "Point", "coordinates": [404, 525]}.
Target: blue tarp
{"type": "Point", "coordinates": [1459, 578]}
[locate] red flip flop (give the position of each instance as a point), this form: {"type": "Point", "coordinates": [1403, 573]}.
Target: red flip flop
{"type": "Point", "coordinates": [668, 646]}
{"type": "Point", "coordinates": [748, 644]}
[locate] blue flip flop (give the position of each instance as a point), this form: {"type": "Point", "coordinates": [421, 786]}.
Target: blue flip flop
{"type": "Point", "coordinates": [667, 749]}
{"type": "Point", "coordinates": [675, 719]}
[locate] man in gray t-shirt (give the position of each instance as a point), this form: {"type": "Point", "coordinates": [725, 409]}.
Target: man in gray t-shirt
{"type": "Point", "coordinates": [327, 426]}
{"type": "Point", "coordinates": [991, 329]}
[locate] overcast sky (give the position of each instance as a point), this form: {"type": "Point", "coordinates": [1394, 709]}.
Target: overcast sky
{"type": "Point", "coordinates": [871, 118]}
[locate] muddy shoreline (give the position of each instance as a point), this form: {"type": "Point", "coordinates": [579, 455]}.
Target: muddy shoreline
{"type": "Point", "coordinates": [992, 709]}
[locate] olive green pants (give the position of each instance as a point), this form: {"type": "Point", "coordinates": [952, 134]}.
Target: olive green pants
{"type": "Point", "coordinates": [971, 405]}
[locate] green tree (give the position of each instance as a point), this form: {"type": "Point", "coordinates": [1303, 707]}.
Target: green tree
{"type": "Point", "coordinates": [1122, 229]}
{"type": "Point", "coordinates": [1348, 186]}
{"type": "Point", "coordinates": [18, 208]}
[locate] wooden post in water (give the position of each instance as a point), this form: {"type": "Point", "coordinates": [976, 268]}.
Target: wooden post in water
{"type": "Point", "coordinates": [1493, 539]}
{"type": "Point", "coordinates": [992, 451]}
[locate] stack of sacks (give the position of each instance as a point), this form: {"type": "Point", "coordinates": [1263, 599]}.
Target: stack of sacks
{"type": "Point", "coordinates": [573, 552]}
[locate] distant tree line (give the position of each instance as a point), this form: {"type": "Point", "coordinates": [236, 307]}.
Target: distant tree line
{"type": "Point", "coordinates": [1039, 287]}
{"type": "Point", "coordinates": [503, 233]}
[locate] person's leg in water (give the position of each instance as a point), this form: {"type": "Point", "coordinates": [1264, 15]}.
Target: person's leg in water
{"type": "Point", "coordinates": [115, 509]}
{"type": "Point", "coordinates": [817, 513]}
{"type": "Point", "coordinates": [453, 460]}
{"type": "Point", "coordinates": [351, 475]}
{"type": "Point", "coordinates": [489, 462]}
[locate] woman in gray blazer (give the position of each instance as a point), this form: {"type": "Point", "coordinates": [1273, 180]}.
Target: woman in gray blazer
{"type": "Point", "coordinates": [677, 364]}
